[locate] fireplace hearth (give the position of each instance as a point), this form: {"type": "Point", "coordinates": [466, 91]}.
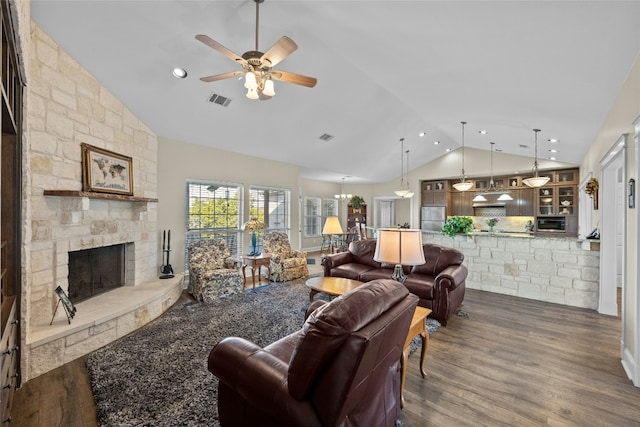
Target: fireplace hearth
{"type": "Point", "coordinates": [95, 271]}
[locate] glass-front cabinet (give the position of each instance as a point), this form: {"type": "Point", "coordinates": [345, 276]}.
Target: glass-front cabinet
{"type": "Point", "coordinates": [557, 200]}
{"type": "Point", "coordinates": [545, 201]}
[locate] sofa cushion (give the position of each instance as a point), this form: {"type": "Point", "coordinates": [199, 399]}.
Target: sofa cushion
{"type": "Point", "coordinates": [420, 285]}
{"type": "Point", "coordinates": [378, 273]}
{"type": "Point", "coordinates": [362, 252]}
{"type": "Point", "coordinates": [437, 258]}
{"type": "Point", "coordinates": [350, 271]}
{"type": "Point", "coordinates": [329, 326]}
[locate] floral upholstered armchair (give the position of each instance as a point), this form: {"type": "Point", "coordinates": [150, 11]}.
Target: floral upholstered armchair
{"type": "Point", "coordinates": [212, 273]}
{"type": "Point", "coordinates": [286, 264]}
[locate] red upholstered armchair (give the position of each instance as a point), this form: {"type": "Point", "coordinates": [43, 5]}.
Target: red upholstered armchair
{"type": "Point", "coordinates": [341, 369]}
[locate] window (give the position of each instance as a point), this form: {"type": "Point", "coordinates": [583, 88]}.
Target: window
{"type": "Point", "coordinates": [312, 216]}
{"type": "Point", "coordinates": [270, 206]}
{"type": "Point", "coordinates": [316, 211]}
{"type": "Point", "coordinates": [213, 210]}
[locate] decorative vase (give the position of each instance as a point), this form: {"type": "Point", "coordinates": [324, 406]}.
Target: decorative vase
{"type": "Point", "coordinates": [491, 229]}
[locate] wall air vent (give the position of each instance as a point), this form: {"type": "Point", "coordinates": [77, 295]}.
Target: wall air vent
{"type": "Point", "coordinates": [325, 137]}
{"type": "Point", "coordinates": [220, 100]}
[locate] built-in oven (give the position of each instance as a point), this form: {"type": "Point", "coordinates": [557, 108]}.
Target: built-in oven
{"type": "Point", "coordinates": [551, 224]}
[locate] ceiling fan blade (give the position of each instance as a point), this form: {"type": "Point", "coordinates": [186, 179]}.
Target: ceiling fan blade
{"type": "Point", "coordinates": [296, 79]}
{"type": "Point", "coordinates": [279, 51]}
{"type": "Point", "coordinates": [222, 76]}
{"type": "Point", "coordinates": [223, 50]}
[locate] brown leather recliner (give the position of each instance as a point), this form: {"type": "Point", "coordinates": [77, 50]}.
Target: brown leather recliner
{"type": "Point", "coordinates": [341, 369]}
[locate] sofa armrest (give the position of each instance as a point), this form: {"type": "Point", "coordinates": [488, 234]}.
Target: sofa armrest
{"type": "Point", "coordinates": [259, 378]}
{"type": "Point", "coordinates": [298, 254]}
{"type": "Point", "coordinates": [313, 307]}
{"type": "Point", "coordinates": [450, 278]}
{"type": "Point", "coordinates": [334, 260]}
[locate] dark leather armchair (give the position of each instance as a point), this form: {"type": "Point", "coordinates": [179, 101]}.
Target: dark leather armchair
{"type": "Point", "coordinates": [341, 369]}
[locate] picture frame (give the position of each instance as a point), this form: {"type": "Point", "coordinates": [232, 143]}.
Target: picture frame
{"type": "Point", "coordinates": [68, 306]}
{"type": "Point", "coordinates": [104, 171]}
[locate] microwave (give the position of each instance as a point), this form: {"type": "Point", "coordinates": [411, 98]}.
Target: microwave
{"type": "Point", "coordinates": [551, 224]}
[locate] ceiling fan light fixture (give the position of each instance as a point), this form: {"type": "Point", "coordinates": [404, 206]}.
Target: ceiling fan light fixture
{"type": "Point", "coordinates": [250, 81]}
{"type": "Point", "coordinates": [269, 88]}
{"type": "Point", "coordinates": [252, 94]}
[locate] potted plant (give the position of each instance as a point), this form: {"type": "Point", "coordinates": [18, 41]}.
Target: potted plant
{"type": "Point", "coordinates": [456, 225]}
{"type": "Point", "coordinates": [357, 202]}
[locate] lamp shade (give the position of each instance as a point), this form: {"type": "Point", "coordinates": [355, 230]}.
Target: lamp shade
{"type": "Point", "coordinates": [332, 226]}
{"type": "Point", "coordinates": [536, 181]}
{"type": "Point", "coordinates": [399, 246]}
{"type": "Point", "coordinates": [253, 224]}
{"type": "Point", "coordinates": [463, 185]}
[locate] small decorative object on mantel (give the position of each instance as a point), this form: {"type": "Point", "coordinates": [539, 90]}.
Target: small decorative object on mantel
{"type": "Point", "coordinates": [68, 306]}
{"type": "Point", "coordinates": [592, 190]}
{"type": "Point", "coordinates": [167, 270]}
{"type": "Point", "coordinates": [105, 171]}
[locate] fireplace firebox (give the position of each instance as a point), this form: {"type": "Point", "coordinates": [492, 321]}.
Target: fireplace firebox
{"type": "Point", "coordinates": [95, 271]}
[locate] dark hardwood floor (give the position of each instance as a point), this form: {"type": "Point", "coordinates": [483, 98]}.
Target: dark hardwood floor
{"type": "Point", "coordinates": [512, 362]}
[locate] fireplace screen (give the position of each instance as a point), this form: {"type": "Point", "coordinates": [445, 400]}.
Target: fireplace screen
{"type": "Point", "coordinates": [95, 271]}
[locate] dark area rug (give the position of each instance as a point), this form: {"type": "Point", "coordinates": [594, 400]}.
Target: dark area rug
{"type": "Point", "coordinates": [157, 376]}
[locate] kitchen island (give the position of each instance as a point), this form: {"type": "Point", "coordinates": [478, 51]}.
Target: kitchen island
{"type": "Point", "coordinates": [563, 270]}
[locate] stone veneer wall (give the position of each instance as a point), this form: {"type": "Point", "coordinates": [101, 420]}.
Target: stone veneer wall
{"type": "Point", "coordinates": [64, 107]}
{"type": "Point", "coordinates": [553, 269]}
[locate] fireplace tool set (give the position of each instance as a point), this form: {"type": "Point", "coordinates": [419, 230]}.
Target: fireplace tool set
{"type": "Point", "coordinates": [167, 270]}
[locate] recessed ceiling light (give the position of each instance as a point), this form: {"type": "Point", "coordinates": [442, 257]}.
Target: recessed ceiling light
{"type": "Point", "coordinates": [448, 150]}
{"type": "Point", "coordinates": [553, 140]}
{"type": "Point", "coordinates": [553, 150]}
{"type": "Point", "coordinates": [422, 133]}
{"type": "Point", "coordinates": [482, 132]}
{"type": "Point", "coordinates": [552, 158]}
{"type": "Point", "coordinates": [179, 73]}
{"type": "Point", "coordinates": [436, 142]}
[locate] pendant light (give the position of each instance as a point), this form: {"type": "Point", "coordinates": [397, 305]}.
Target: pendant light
{"type": "Point", "coordinates": [343, 196]}
{"type": "Point", "coordinates": [463, 185]}
{"type": "Point", "coordinates": [504, 195]}
{"type": "Point", "coordinates": [403, 192]}
{"type": "Point", "coordinates": [536, 181]}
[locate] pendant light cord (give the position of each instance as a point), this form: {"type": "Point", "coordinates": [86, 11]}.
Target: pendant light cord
{"type": "Point", "coordinates": [463, 173]}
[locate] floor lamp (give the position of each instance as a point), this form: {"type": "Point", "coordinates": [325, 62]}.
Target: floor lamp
{"type": "Point", "coordinates": [399, 246]}
{"type": "Point", "coordinates": [332, 227]}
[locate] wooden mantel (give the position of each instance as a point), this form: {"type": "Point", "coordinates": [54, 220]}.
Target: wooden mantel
{"type": "Point", "coordinates": [94, 195]}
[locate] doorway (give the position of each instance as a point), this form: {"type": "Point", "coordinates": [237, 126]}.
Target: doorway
{"type": "Point", "coordinates": [613, 220]}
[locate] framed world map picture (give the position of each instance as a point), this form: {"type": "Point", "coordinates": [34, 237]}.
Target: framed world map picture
{"type": "Point", "coordinates": [105, 171]}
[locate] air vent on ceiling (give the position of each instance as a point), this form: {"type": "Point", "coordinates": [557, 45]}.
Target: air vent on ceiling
{"type": "Point", "coordinates": [325, 137]}
{"type": "Point", "coordinates": [220, 100]}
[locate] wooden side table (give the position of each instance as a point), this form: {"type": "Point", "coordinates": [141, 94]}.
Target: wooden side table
{"type": "Point", "coordinates": [418, 327]}
{"type": "Point", "coordinates": [255, 262]}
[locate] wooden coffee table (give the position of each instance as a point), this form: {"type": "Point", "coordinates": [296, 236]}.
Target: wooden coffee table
{"type": "Point", "coordinates": [333, 286]}
{"type": "Point", "coordinates": [418, 327]}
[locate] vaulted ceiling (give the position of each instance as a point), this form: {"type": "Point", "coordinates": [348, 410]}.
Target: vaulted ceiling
{"type": "Point", "coordinates": [386, 70]}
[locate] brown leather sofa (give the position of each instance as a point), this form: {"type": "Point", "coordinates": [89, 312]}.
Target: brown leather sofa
{"type": "Point", "coordinates": [341, 369]}
{"type": "Point", "coordinates": [439, 282]}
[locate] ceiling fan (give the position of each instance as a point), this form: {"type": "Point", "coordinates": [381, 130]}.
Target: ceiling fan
{"type": "Point", "coordinates": [257, 66]}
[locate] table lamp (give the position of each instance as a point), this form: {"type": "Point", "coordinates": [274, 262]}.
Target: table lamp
{"type": "Point", "coordinates": [399, 246]}
{"type": "Point", "coordinates": [253, 224]}
{"type": "Point", "coordinates": [332, 226]}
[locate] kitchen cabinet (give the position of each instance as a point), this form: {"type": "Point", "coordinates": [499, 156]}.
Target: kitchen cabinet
{"type": "Point", "coordinates": [522, 203]}
{"type": "Point", "coordinates": [434, 193]}
{"type": "Point", "coordinates": [557, 200]}
{"type": "Point", "coordinates": [461, 203]}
